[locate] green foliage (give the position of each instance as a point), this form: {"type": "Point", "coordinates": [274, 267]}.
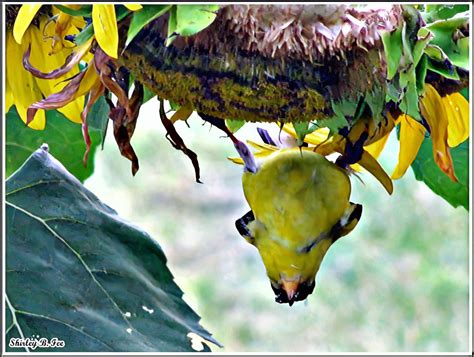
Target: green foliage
{"type": "Point", "coordinates": [98, 118]}
{"type": "Point", "coordinates": [148, 94]}
{"type": "Point", "coordinates": [301, 129]}
{"type": "Point", "coordinates": [442, 12]}
{"type": "Point", "coordinates": [392, 42]}
{"type": "Point", "coordinates": [143, 17]}
{"type": "Point", "coordinates": [99, 283]}
{"type": "Point", "coordinates": [234, 125]}
{"type": "Point", "coordinates": [63, 136]}
{"type": "Point", "coordinates": [187, 20]}
{"type": "Point", "coordinates": [84, 10]}
{"type": "Point", "coordinates": [426, 170]}
{"type": "Point", "coordinates": [83, 36]}
{"type": "Point", "coordinates": [456, 48]}
{"type": "Point", "coordinates": [190, 19]}
{"type": "Point", "coordinates": [410, 51]}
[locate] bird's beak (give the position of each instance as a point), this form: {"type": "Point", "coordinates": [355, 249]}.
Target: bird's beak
{"type": "Point", "coordinates": [290, 287]}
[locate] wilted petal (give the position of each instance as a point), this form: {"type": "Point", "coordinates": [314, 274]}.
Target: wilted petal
{"type": "Point", "coordinates": [432, 109]}
{"type": "Point", "coordinates": [105, 28]}
{"type": "Point", "coordinates": [457, 111]}
{"type": "Point", "coordinates": [71, 60]}
{"type": "Point", "coordinates": [77, 87]}
{"type": "Point", "coordinates": [44, 63]}
{"type": "Point", "coordinates": [412, 134]}
{"type": "Point", "coordinates": [25, 15]}
{"type": "Point", "coordinates": [94, 95]}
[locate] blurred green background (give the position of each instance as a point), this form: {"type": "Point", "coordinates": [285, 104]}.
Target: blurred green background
{"type": "Point", "coordinates": [398, 282]}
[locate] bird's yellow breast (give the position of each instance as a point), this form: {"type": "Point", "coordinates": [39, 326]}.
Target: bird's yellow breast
{"type": "Point", "coordinates": [296, 195]}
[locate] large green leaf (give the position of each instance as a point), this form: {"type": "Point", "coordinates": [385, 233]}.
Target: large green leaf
{"type": "Point", "coordinates": [426, 170]}
{"type": "Point", "coordinates": [78, 272]}
{"type": "Point", "coordinates": [64, 136]}
{"type": "Point", "coordinates": [191, 19]}
{"type": "Point", "coordinates": [143, 17]}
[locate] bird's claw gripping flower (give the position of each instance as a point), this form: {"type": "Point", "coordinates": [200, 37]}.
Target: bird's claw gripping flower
{"type": "Point", "coordinates": [299, 207]}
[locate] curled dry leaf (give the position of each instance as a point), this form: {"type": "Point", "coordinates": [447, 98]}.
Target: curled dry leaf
{"type": "Point", "coordinates": [177, 142]}
{"type": "Point", "coordinates": [94, 95]}
{"type": "Point", "coordinates": [124, 125]}
{"type": "Point", "coordinates": [107, 69]}
{"type": "Point", "coordinates": [122, 137]}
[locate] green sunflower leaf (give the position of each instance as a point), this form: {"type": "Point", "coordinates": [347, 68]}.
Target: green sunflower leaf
{"type": "Point", "coordinates": [99, 283]}
{"type": "Point", "coordinates": [64, 137]}
{"type": "Point", "coordinates": [426, 170]}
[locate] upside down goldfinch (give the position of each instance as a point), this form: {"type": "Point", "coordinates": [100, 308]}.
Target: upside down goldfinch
{"type": "Point", "coordinates": [300, 205]}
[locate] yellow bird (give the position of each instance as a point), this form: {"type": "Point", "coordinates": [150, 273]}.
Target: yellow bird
{"type": "Point", "coordinates": [300, 205]}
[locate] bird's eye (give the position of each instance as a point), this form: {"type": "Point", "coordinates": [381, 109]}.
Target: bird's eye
{"type": "Point", "coordinates": [243, 229]}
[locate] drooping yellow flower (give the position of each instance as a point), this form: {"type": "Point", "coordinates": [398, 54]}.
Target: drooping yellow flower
{"type": "Point", "coordinates": [433, 110]}
{"type": "Point", "coordinates": [24, 88]}
{"type": "Point", "coordinates": [448, 119]}
{"type": "Point", "coordinates": [105, 28]}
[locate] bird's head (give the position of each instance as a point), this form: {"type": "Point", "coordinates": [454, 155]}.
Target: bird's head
{"type": "Point", "coordinates": [291, 270]}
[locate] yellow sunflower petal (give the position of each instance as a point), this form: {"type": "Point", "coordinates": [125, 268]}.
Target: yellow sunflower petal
{"type": "Point", "coordinates": [183, 113]}
{"type": "Point", "coordinates": [38, 123]}
{"type": "Point", "coordinates": [457, 110]}
{"type": "Point", "coordinates": [369, 163]}
{"type": "Point", "coordinates": [91, 79]}
{"type": "Point", "coordinates": [376, 148]}
{"type": "Point", "coordinates": [22, 84]}
{"type": "Point", "coordinates": [356, 167]}
{"type": "Point", "coordinates": [73, 110]}
{"type": "Point", "coordinates": [315, 138]}
{"type": "Point", "coordinates": [9, 101]}
{"type": "Point", "coordinates": [412, 134]}
{"type": "Point", "coordinates": [133, 7]}
{"type": "Point", "coordinates": [262, 146]}
{"type": "Point", "coordinates": [258, 155]}
{"type": "Point", "coordinates": [25, 15]}
{"type": "Point", "coordinates": [432, 109]}
{"type": "Point", "coordinates": [105, 28]}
